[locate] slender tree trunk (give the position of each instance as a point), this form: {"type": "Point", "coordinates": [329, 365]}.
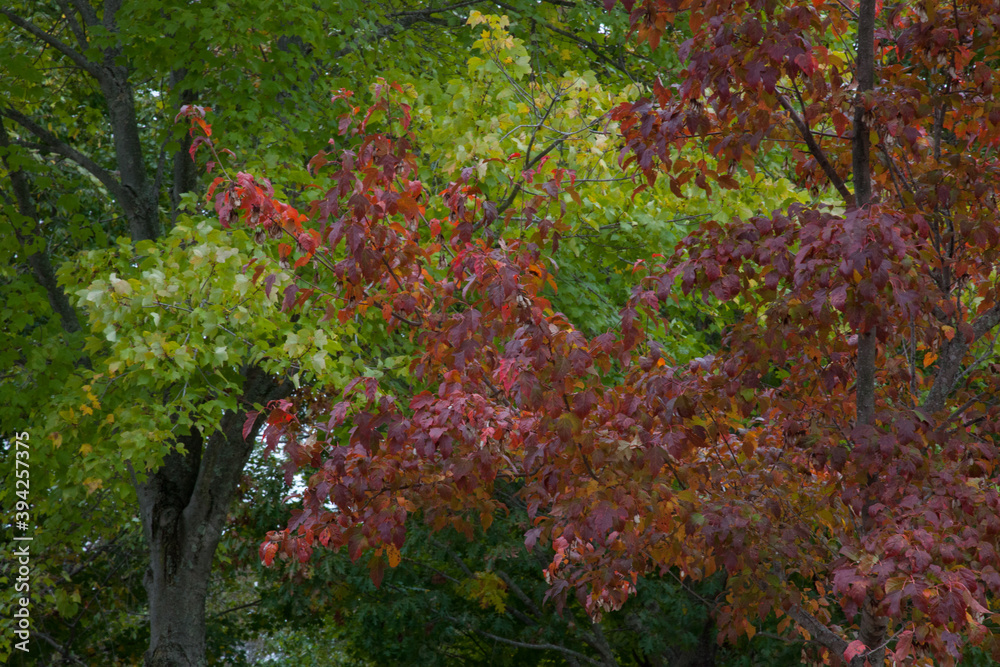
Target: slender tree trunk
{"type": "Point", "coordinates": [873, 627]}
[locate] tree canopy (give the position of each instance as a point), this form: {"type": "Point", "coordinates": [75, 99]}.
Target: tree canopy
{"type": "Point", "coordinates": [657, 333]}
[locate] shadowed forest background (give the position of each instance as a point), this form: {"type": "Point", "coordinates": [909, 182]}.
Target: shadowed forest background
{"type": "Point", "coordinates": [535, 332]}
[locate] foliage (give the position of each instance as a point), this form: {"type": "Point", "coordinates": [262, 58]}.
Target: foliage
{"type": "Point", "coordinates": [834, 458]}
{"type": "Point", "coordinates": [99, 414]}
{"type": "Point", "coordinates": [494, 327]}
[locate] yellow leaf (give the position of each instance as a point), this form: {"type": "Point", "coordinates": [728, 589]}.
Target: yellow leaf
{"type": "Point", "coordinates": [92, 484]}
{"type": "Point", "coordinates": [85, 448]}
{"type": "Point", "coordinates": [929, 359]}
{"type": "Point", "coordinates": [110, 418]}
{"type": "Point", "coordinates": [394, 556]}
{"type": "Point", "coordinates": [56, 439]}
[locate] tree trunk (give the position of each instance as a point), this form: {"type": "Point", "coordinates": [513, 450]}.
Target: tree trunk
{"type": "Point", "coordinates": [873, 627]}
{"type": "Point", "coordinates": [184, 505]}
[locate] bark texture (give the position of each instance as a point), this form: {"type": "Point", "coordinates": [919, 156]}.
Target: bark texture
{"type": "Point", "coordinates": [184, 506]}
{"type": "Point", "coordinates": [873, 626]}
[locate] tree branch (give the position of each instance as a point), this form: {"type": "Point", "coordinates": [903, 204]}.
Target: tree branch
{"type": "Point", "coordinates": [86, 11]}
{"type": "Point", "coordinates": [596, 49]}
{"type": "Point", "coordinates": [951, 355]}
{"type": "Point", "coordinates": [528, 645]}
{"type": "Point", "coordinates": [37, 258]}
{"type": "Point", "coordinates": [225, 451]}
{"type": "Point", "coordinates": [74, 25]}
{"type": "Point", "coordinates": [237, 608]}
{"type": "Point", "coordinates": [819, 631]}
{"type": "Point", "coordinates": [60, 46]}
{"type": "Point", "coordinates": [402, 21]}
{"type": "Point", "coordinates": [111, 8]}
{"type": "Point", "coordinates": [599, 643]}
{"type": "Point", "coordinates": [519, 593]}
{"type": "Point", "coordinates": [816, 151]}
{"type": "Point", "coordinates": [64, 651]}
{"type": "Point", "coordinates": [52, 144]}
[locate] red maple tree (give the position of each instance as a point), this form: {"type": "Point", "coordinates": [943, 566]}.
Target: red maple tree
{"type": "Point", "coordinates": [836, 457]}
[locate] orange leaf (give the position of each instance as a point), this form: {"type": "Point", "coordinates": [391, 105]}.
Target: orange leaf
{"type": "Point", "coordinates": [393, 555]}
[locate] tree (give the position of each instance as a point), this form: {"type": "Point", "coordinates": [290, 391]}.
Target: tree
{"type": "Point", "coordinates": [604, 234]}
{"type": "Point", "coordinates": [834, 458]}
{"type": "Point", "coordinates": [91, 153]}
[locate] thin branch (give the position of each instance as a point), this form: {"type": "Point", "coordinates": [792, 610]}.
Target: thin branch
{"type": "Point", "coordinates": [596, 49]}
{"type": "Point", "coordinates": [816, 151]}
{"type": "Point", "coordinates": [435, 10]}
{"type": "Point", "coordinates": [237, 608]}
{"type": "Point", "coordinates": [531, 142]}
{"type": "Point", "coordinates": [64, 651]}
{"type": "Point", "coordinates": [528, 645]}
{"type": "Point", "coordinates": [519, 593]}
{"type": "Point", "coordinates": [74, 25]}
{"type": "Point", "coordinates": [60, 46]}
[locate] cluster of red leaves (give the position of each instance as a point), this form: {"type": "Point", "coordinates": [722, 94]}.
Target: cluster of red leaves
{"type": "Point", "coordinates": [904, 509]}
{"type": "Point", "coordinates": [750, 461]}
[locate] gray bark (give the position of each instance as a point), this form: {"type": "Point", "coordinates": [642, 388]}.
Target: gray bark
{"type": "Point", "coordinates": [183, 506]}
{"type": "Point", "coordinates": [140, 197]}
{"type": "Point", "coordinates": [873, 626]}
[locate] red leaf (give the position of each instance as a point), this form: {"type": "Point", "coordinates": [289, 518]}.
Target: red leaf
{"type": "Point", "coordinates": [339, 414]}
{"type": "Point", "coordinates": [903, 644]}
{"type": "Point", "coordinates": [248, 424]}
{"type": "Point", "coordinates": [289, 299]}
{"type": "Point", "coordinates": [376, 568]}
{"type": "Point", "coordinates": [855, 648]}
{"type": "Point", "coordinates": [211, 188]}
{"type": "Point", "coordinates": [267, 552]}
